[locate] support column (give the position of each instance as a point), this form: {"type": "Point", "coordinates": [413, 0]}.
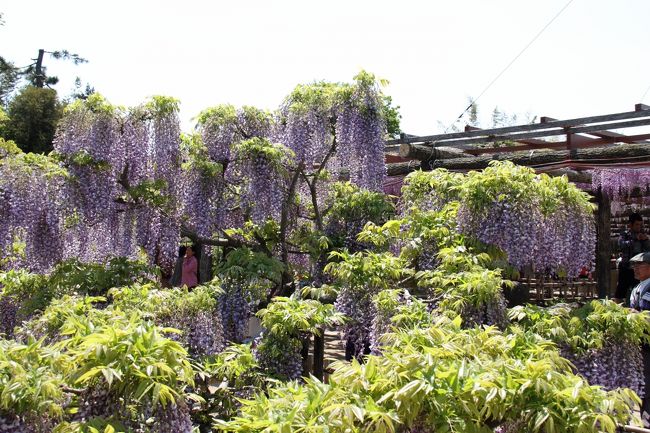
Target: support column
{"type": "Point", "coordinates": [603, 244]}
{"type": "Point", "coordinates": [319, 354]}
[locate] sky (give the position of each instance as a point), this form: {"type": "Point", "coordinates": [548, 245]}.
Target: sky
{"type": "Point", "coordinates": [594, 58]}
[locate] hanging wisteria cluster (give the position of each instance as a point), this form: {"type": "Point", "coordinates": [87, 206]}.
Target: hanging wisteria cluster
{"type": "Point", "coordinates": [618, 364]}
{"type": "Point", "coordinates": [620, 183]}
{"type": "Point", "coordinates": [344, 123]}
{"type": "Point", "coordinates": [214, 172]}
{"type": "Point", "coordinates": [235, 311]}
{"type": "Point", "coordinates": [387, 304]}
{"type": "Point", "coordinates": [359, 130]}
{"type": "Point", "coordinates": [30, 217]}
{"type": "Point", "coordinates": [279, 355]}
{"type": "Point", "coordinates": [602, 339]}
{"type": "Point", "coordinates": [111, 192]}
{"type": "Point", "coordinates": [357, 305]}
{"type": "Point", "coordinates": [262, 168]}
{"type": "Point", "coordinates": [133, 183]}
{"type": "Point", "coordinates": [539, 222]}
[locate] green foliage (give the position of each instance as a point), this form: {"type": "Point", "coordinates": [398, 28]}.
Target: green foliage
{"type": "Point", "coordinates": [320, 95]}
{"type": "Point", "coordinates": [275, 154]}
{"type": "Point", "coordinates": [135, 360]}
{"type": "Point", "coordinates": [73, 276]}
{"type": "Point", "coordinates": [25, 164]}
{"type": "Point", "coordinates": [227, 118]}
{"type": "Point", "coordinates": [30, 291]}
{"type": "Point", "coordinates": [222, 381]}
{"type": "Point", "coordinates": [95, 103]}
{"type": "Point", "coordinates": [586, 327]}
{"type": "Point", "coordinates": [121, 352]}
{"type": "Point", "coordinates": [324, 97]}
{"type": "Point", "coordinates": [314, 242]}
{"type": "Point", "coordinates": [404, 316]}
{"type": "Point", "coordinates": [558, 191]}
{"type": "Point", "coordinates": [443, 378]}
{"type": "Point", "coordinates": [160, 106]}
{"type": "Point", "coordinates": [84, 159]}
{"type": "Point", "coordinates": [198, 157]}
{"type": "Point", "coordinates": [254, 267]}
{"type": "Point", "coordinates": [65, 316]}
{"type": "Point", "coordinates": [291, 316]}
{"type": "Point", "coordinates": [418, 231]}
{"type": "Point", "coordinates": [362, 270]}
{"type": "Point", "coordinates": [33, 116]}
{"type": "Point", "coordinates": [219, 115]}
{"type": "Point", "coordinates": [15, 251]}
{"type": "Point", "coordinates": [31, 379]}
{"type": "Point", "coordinates": [236, 364]}
{"type": "Point", "coordinates": [476, 286]}
{"type": "Point", "coordinates": [392, 116]}
{"type": "Point", "coordinates": [9, 77]}
{"type": "Point", "coordinates": [33, 293]}
{"type": "Point", "coordinates": [504, 181]}
{"type": "Point", "coordinates": [8, 147]}
{"type": "Point", "coordinates": [351, 203]}
{"type": "Point", "coordinates": [501, 181]}
{"type": "Point", "coordinates": [151, 301]}
{"type": "Point", "coordinates": [267, 233]}
{"type": "Point", "coordinates": [96, 425]}
{"type": "Point", "coordinates": [431, 189]}
{"type": "Point", "coordinates": [151, 192]}
{"type": "Point", "coordinates": [4, 119]}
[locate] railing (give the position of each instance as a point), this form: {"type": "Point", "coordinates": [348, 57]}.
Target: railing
{"type": "Point", "coordinates": [541, 290]}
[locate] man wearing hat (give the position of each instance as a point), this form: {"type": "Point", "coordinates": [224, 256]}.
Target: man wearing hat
{"type": "Point", "coordinates": [640, 297]}
{"type": "Point", "coordinates": [640, 300]}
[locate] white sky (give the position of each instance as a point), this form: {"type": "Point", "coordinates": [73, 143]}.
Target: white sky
{"type": "Point", "coordinates": [594, 59]}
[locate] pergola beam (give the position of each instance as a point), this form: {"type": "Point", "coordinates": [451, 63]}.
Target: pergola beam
{"type": "Point", "coordinates": [635, 153]}
{"type": "Point", "coordinates": [641, 111]}
{"type": "Point", "coordinates": [578, 142]}
{"type": "Point", "coordinates": [466, 143]}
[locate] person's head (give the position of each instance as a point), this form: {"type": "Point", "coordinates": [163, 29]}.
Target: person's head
{"type": "Point", "coordinates": [189, 251]}
{"type": "Point", "coordinates": [636, 222]}
{"type": "Point", "coordinates": [641, 266]}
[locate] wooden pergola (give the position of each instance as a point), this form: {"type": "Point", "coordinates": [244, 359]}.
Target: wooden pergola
{"type": "Point", "coordinates": [569, 147]}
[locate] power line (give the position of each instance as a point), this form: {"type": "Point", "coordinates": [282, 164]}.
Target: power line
{"type": "Point", "coordinates": [644, 95]}
{"type": "Point", "coordinates": [513, 61]}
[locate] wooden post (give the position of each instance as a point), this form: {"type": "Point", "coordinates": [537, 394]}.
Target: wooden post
{"type": "Point", "coordinates": [603, 244]}
{"type": "Point", "coordinates": [306, 342]}
{"type": "Point", "coordinates": [319, 354]}
{"type": "Point", "coordinates": [205, 264]}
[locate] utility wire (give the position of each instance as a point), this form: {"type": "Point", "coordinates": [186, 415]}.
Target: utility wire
{"type": "Point", "coordinates": [644, 95]}
{"type": "Point", "coordinates": [511, 63]}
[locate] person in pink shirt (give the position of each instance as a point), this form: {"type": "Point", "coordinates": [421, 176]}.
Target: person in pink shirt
{"type": "Point", "coordinates": [189, 273]}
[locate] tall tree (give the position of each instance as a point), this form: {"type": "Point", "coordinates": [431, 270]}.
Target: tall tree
{"type": "Point", "coordinates": [33, 116]}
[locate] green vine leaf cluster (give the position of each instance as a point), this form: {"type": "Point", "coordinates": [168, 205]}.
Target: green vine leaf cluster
{"type": "Point", "coordinates": [197, 156]}
{"type": "Point", "coordinates": [291, 316]}
{"type": "Point", "coordinates": [275, 154]}
{"type": "Point", "coordinates": [586, 327]}
{"type": "Point", "coordinates": [443, 378]}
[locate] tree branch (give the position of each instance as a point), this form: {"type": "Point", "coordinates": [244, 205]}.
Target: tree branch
{"type": "Point", "coordinates": [219, 242]}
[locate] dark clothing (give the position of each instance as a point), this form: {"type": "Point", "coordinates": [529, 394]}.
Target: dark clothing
{"type": "Point", "coordinates": [640, 297]}
{"type": "Point", "coordinates": [630, 246]}
{"type": "Point", "coordinates": [626, 282]}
